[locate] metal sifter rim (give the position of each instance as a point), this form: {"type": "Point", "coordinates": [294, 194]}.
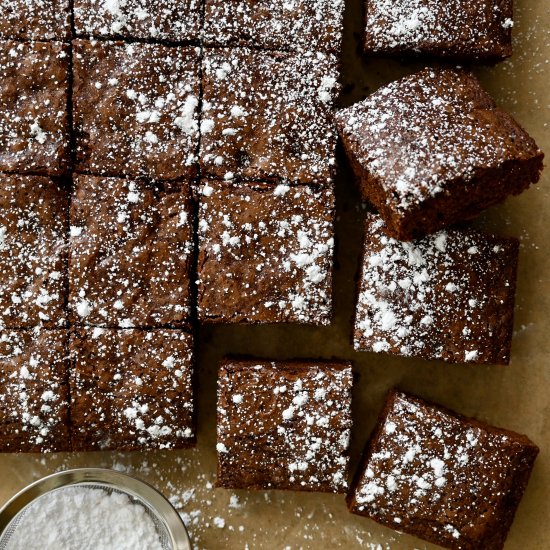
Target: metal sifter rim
{"type": "Point", "coordinates": [125, 483]}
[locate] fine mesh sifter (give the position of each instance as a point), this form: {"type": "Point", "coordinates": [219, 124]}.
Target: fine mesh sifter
{"type": "Point", "coordinates": [168, 524]}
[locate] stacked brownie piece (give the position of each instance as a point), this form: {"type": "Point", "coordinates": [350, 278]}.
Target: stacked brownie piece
{"type": "Point", "coordinates": [430, 151]}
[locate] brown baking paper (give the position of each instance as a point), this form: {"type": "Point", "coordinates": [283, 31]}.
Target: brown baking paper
{"type": "Point", "coordinates": [515, 397]}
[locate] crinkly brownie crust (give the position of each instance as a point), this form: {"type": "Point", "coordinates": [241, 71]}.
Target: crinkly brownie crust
{"type": "Point", "coordinates": [432, 149]}
{"type": "Point", "coordinates": [284, 425]}
{"type": "Point", "coordinates": [448, 479]}
{"type": "Point", "coordinates": [265, 253]}
{"type": "Point", "coordinates": [437, 297]}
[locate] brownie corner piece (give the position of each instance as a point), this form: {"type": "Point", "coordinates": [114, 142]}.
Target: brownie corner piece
{"type": "Point", "coordinates": [284, 425]}
{"type": "Point", "coordinates": [437, 297]}
{"type": "Point", "coordinates": [35, 20]}
{"type": "Point", "coordinates": [34, 122]}
{"type": "Point", "coordinates": [303, 25]}
{"type": "Point", "coordinates": [282, 128]}
{"type": "Point", "coordinates": [34, 392]}
{"type": "Point", "coordinates": [131, 252]}
{"type": "Point", "coordinates": [177, 21]}
{"type": "Point", "coordinates": [265, 253]}
{"type": "Point", "coordinates": [432, 149]}
{"type": "Point", "coordinates": [33, 252]}
{"type": "Point", "coordinates": [132, 389]}
{"type": "Point", "coordinates": [445, 478]}
{"type": "Point", "coordinates": [136, 109]}
{"type": "Point", "coordinates": [461, 30]}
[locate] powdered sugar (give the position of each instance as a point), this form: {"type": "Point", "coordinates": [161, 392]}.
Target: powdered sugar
{"type": "Point", "coordinates": [84, 517]}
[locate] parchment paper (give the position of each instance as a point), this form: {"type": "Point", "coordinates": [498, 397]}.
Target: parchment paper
{"type": "Point", "coordinates": [514, 397]}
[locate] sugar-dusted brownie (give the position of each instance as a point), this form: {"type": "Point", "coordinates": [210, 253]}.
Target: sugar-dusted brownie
{"type": "Point", "coordinates": [432, 149]}
{"type": "Point", "coordinates": [135, 109]}
{"type": "Point", "coordinates": [131, 389]}
{"type": "Point", "coordinates": [34, 393]}
{"type": "Point", "coordinates": [265, 253]}
{"type": "Point", "coordinates": [33, 251]}
{"type": "Point", "coordinates": [174, 20]}
{"type": "Point", "coordinates": [34, 127]}
{"type": "Point", "coordinates": [284, 425]}
{"type": "Point", "coordinates": [131, 249]}
{"type": "Point", "coordinates": [440, 476]}
{"type": "Point", "coordinates": [308, 25]}
{"type": "Point", "coordinates": [35, 19]}
{"type": "Point", "coordinates": [447, 296]}
{"type": "Point", "coordinates": [268, 115]}
{"type": "Point", "coordinates": [463, 30]}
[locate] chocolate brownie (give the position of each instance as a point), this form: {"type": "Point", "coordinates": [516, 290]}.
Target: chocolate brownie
{"type": "Point", "coordinates": [268, 115]}
{"type": "Point", "coordinates": [35, 19]}
{"type": "Point", "coordinates": [308, 25]}
{"type": "Point", "coordinates": [464, 30]}
{"type": "Point", "coordinates": [135, 109]}
{"type": "Point", "coordinates": [174, 20]}
{"type": "Point", "coordinates": [131, 389]}
{"type": "Point", "coordinates": [432, 149]}
{"type": "Point", "coordinates": [34, 394]}
{"type": "Point", "coordinates": [449, 296]}
{"type": "Point", "coordinates": [284, 425]}
{"type": "Point", "coordinates": [131, 246]}
{"type": "Point", "coordinates": [34, 128]}
{"type": "Point", "coordinates": [33, 251]}
{"type": "Point", "coordinates": [440, 476]}
{"type": "Point", "coordinates": [265, 253]}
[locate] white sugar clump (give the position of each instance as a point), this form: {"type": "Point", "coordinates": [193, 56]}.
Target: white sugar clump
{"type": "Point", "coordinates": [82, 517]}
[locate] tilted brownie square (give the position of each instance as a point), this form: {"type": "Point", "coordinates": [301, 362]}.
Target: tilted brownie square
{"type": "Point", "coordinates": [268, 115]}
{"type": "Point", "coordinates": [131, 389]}
{"type": "Point", "coordinates": [307, 25]}
{"type": "Point", "coordinates": [440, 476]}
{"type": "Point", "coordinates": [265, 253]}
{"type": "Point", "coordinates": [33, 251]}
{"type": "Point", "coordinates": [432, 149]}
{"type": "Point", "coordinates": [284, 425]}
{"type": "Point", "coordinates": [131, 250]}
{"type": "Point", "coordinates": [461, 30]}
{"type": "Point", "coordinates": [35, 19]}
{"type": "Point", "coordinates": [449, 296]}
{"type": "Point", "coordinates": [34, 127]}
{"type": "Point", "coordinates": [135, 109]}
{"type": "Point", "coordinates": [172, 20]}
{"type": "Point", "coordinates": [34, 392]}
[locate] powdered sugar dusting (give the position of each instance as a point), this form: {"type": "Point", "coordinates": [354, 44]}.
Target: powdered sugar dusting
{"type": "Point", "coordinates": [282, 434]}
{"type": "Point", "coordinates": [433, 298]}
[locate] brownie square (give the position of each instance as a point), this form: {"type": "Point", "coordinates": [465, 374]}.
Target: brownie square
{"type": "Point", "coordinates": [33, 251]}
{"type": "Point", "coordinates": [135, 109]}
{"type": "Point", "coordinates": [34, 127]}
{"type": "Point", "coordinates": [284, 425]}
{"type": "Point", "coordinates": [34, 395]}
{"type": "Point", "coordinates": [265, 253]}
{"type": "Point", "coordinates": [131, 250]}
{"type": "Point", "coordinates": [432, 149]}
{"type": "Point", "coordinates": [462, 30]}
{"type": "Point", "coordinates": [308, 25]}
{"type": "Point", "coordinates": [268, 115]}
{"type": "Point", "coordinates": [35, 19]}
{"type": "Point", "coordinates": [440, 476]}
{"type": "Point", "coordinates": [173, 20]}
{"type": "Point", "coordinates": [449, 296]}
{"type": "Point", "coordinates": [131, 389]}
